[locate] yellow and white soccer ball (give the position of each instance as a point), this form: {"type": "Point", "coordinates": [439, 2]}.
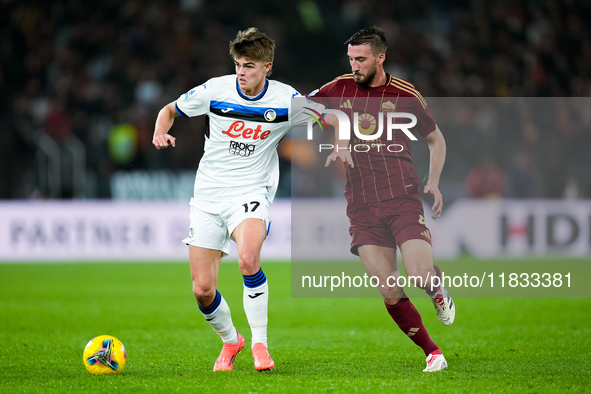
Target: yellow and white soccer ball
{"type": "Point", "coordinates": [104, 355]}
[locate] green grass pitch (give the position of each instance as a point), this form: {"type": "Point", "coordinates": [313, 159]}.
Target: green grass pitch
{"type": "Point", "coordinates": [48, 312]}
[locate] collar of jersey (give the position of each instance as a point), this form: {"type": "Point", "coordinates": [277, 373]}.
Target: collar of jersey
{"type": "Point", "coordinates": [257, 97]}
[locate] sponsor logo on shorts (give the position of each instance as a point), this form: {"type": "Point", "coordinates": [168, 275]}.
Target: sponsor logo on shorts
{"type": "Point", "coordinates": [241, 148]}
{"type": "Point", "coordinates": [191, 232]}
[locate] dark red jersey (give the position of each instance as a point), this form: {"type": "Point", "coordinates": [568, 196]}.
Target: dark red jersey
{"type": "Point", "coordinates": [383, 166]}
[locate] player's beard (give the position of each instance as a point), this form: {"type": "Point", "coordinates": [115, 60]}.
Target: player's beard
{"type": "Point", "coordinates": [367, 78]}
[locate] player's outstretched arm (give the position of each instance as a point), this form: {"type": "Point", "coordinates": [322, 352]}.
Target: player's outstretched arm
{"type": "Point", "coordinates": [437, 159]}
{"type": "Point", "coordinates": [164, 121]}
{"type": "Point", "coordinates": [340, 151]}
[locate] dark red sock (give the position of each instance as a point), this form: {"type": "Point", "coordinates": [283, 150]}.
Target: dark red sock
{"type": "Point", "coordinates": [409, 320]}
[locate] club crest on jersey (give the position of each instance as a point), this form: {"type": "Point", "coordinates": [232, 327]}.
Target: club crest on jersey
{"type": "Point", "coordinates": [388, 106]}
{"type": "Point", "coordinates": [270, 115]}
{"type": "Point", "coordinates": [238, 129]}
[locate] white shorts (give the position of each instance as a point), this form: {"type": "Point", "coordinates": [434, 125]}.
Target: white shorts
{"type": "Point", "coordinates": [212, 222]}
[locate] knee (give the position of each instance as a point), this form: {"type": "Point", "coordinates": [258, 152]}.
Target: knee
{"type": "Point", "coordinates": [204, 294]}
{"type": "Point", "coordinates": [249, 263]}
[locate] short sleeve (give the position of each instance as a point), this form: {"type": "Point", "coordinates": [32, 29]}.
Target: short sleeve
{"type": "Point", "coordinates": [194, 102]}
{"type": "Point", "coordinates": [303, 109]}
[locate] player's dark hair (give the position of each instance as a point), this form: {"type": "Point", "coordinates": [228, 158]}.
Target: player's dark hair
{"type": "Point", "coordinates": [374, 36]}
{"type": "Point", "coordinates": [253, 45]}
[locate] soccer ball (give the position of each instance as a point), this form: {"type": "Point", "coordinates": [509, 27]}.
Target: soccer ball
{"type": "Point", "coordinates": [104, 355]}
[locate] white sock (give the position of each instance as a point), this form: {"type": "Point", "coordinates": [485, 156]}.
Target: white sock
{"type": "Point", "coordinates": [219, 318]}
{"type": "Point", "coordinates": [256, 301]}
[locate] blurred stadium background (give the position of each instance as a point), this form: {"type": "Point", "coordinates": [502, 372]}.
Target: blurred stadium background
{"type": "Point", "coordinates": [81, 84]}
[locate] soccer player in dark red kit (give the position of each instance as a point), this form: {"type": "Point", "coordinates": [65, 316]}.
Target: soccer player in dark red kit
{"type": "Point", "coordinates": [382, 190]}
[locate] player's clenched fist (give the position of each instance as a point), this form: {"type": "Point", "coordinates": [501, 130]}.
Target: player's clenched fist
{"type": "Point", "coordinates": [163, 141]}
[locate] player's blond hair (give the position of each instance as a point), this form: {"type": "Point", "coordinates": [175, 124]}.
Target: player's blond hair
{"type": "Point", "coordinates": [253, 45]}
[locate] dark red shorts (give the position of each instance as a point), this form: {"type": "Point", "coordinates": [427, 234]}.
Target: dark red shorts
{"type": "Point", "coordinates": [387, 223]}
